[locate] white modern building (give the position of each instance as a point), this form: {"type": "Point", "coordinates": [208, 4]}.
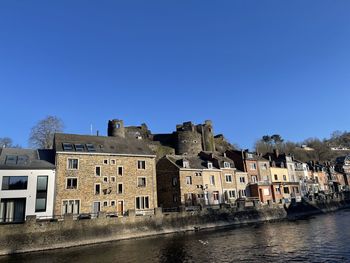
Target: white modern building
{"type": "Point", "coordinates": [27, 179]}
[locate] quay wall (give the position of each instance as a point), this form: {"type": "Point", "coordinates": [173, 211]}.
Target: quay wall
{"type": "Point", "coordinates": [34, 235]}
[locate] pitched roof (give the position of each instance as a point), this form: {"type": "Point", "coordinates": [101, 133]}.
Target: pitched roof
{"type": "Point", "coordinates": [102, 144]}
{"type": "Point", "coordinates": [20, 159]}
{"type": "Point", "coordinates": [195, 162]}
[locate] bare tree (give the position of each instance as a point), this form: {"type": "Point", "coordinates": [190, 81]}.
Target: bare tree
{"type": "Point", "coordinates": [41, 135]}
{"type": "Point", "coordinates": [6, 142]}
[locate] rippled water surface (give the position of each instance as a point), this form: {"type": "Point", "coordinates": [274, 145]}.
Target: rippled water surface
{"type": "Point", "coordinates": [324, 238]}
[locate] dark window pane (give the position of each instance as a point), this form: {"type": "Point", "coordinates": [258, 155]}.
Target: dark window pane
{"type": "Point", "coordinates": [14, 182]}
{"type": "Point", "coordinates": [42, 183]}
{"type": "Point", "coordinates": [67, 147]}
{"type": "Point", "coordinates": [11, 159]}
{"type": "Point", "coordinates": [79, 147]}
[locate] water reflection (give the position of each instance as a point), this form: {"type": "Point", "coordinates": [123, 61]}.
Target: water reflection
{"type": "Point", "coordinates": [320, 239]}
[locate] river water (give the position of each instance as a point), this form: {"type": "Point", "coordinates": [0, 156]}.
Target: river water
{"type": "Point", "coordinates": [323, 238]}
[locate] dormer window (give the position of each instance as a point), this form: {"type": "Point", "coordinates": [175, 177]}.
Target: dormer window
{"type": "Point", "coordinates": [210, 165]}
{"type": "Point", "coordinates": [226, 165]}
{"type": "Point", "coordinates": [185, 164]}
{"type": "Point", "coordinates": [250, 155]}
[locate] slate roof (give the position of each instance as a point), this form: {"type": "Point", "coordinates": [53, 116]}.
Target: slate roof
{"type": "Point", "coordinates": [195, 162]}
{"type": "Point", "coordinates": [103, 144]}
{"type": "Point", "coordinates": [24, 159]}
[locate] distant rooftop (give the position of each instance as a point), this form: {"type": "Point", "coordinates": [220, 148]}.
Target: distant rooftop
{"type": "Point", "coordinates": [15, 158]}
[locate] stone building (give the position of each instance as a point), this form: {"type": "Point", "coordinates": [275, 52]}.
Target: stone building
{"type": "Point", "coordinates": [196, 180]}
{"type": "Point", "coordinates": [113, 174]}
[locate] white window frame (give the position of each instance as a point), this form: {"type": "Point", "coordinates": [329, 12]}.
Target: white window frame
{"type": "Point", "coordinates": [227, 165]}
{"type": "Point", "coordinates": [143, 161]}
{"type": "Point", "coordinates": [137, 182]}
{"type": "Point", "coordinates": [113, 162]}
{"type": "Point", "coordinates": [72, 169]}
{"type": "Point", "coordinates": [210, 165]}
{"type": "Point", "coordinates": [143, 206]}
{"type": "Point", "coordinates": [100, 171]}
{"type": "Point", "coordinates": [68, 200]}
{"type": "Point", "coordinates": [212, 179]}
{"type": "Point", "coordinates": [95, 188]}
{"type": "Point", "coordinates": [190, 180]}
{"type": "Point", "coordinates": [103, 203]}
{"type": "Point", "coordinates": [67, 178]}
{"type": "Point", "coordinates": [118, 188]}
{"type": "Point", "coordinates": [252, 166]}
{"type": "Point", "coordinates": [120, 166]}
{"type": "Point", "coordinates": [228, 175]}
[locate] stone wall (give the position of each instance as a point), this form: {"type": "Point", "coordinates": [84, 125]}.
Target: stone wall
{"type": "Point", "coordinates": [36, 235]}
{"type": "Point", "coordinates": [108, 180]}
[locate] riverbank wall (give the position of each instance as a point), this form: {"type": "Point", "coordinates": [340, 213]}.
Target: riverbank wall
{"type": "Point", "coordinates": [35, 235]}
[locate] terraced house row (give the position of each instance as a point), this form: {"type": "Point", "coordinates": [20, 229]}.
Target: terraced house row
{"type": "Point", "coordinates": [132, 171]}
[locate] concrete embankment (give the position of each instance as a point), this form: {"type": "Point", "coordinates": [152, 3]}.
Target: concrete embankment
{"type": "Point", "coordinates": [36, 235]}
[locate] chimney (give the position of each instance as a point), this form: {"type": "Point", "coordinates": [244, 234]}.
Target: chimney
{"type": "Point", "coordinates": [97, 133]}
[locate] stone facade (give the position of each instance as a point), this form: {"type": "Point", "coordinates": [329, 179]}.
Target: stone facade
{"type": "Point", "coordinates": [111, 199]}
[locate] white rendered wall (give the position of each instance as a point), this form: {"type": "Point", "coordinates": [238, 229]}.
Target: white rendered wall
{"type": "Point", "coordinates": [30, 193]}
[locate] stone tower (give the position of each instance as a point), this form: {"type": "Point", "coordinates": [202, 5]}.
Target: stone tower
{"type": "Point", "coordinates": [116, 128]}
{"type": "Point", "coordinates": [208, 136]}
{"type": "Point", "coordinates": [188, 139]}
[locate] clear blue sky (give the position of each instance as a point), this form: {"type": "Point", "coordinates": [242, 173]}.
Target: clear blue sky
{"type": "Point", "coordinates": [253, 67]}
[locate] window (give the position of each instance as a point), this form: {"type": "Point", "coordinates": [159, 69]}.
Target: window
{"type": "Point", "coordinates": [67, 146]}
{"type": "Point", "coordinates": [286, 190]}
{"type": "Point", "coordinates": [252, 166]}
{"type": "Point", "coordinates": [174, 181]}
{"type": "Point", "coordinates": [105, 203]}
{"type": "Point", "coordinates": [11, 159]}
{"type": "Point", "coordinates": [70, 207]}
{"type": "Point", "coordinates": [120, 170]}
{"type": "Point", "coordinates": [79, 147]}
{"type": "Point", "coordinates": [276, 177]}
{"type": "Point", "coordinates": [185, 164]}
{"type": "Point", "coordinates": [141, 165]}
{"type": "Point", "coordinates": [210, 165]}
{"type": "Point", "coordinates": [22, 159]}
{"type": "Point", "coordinates": [198, 174]}
{"type": "Point", "coordinates": [90, 147]}
{"type": "Point", "coordinates": [199, 186]}
{"type": "Point", "coordinates": [264, 166]}
{"type": "Point", "coordinates": [241, 179]}
{"type": "Point", "coordinates": [113, 203]}
{"type": "Point", "coordinates": [231, 193]}
{"type": "Point", "coordinates": [242, 193]}
{"type": "Point", "coordinates": [216, 195]}
{"type": "Point", "coordinates": [72, 183]}
{"type": "Point", "coordinates": [278, 190]}
{"type": "Point", "coordinates": [141, 182]}
{"type": "Point", "coordinates": [175, 198]}
{"type": "Point", "coordinates": [105, 161]}
{"type": "Point", "coordinates": [73, 164]}
{"type": "Point", "coordinates": [142, 202]}
{"type": "Point", "coordinates": [97, 189]}
{"type": "Point", "coordinates": [120, 188]}
{"type": "Point", "coordinates": [14, 182]}
{"type": "Point", "coordinates": [284, 177]}
{"type": "Point", "coordinates": [113, 162]}
{"type": "Point", "coordinates": [112, 179]}
{"type": "Point", "coordinates": [226, 165]}
{"type": "Point", "coordinates": [41, 194]}
{"type": "Point", "coordinates": [228, 178]}
{"type": "Point", "coordinates": [98, 171]}
{"type": "Point", "coordinates": [105, 179]}
{"type": "Point", "coordinates": [188, 180]}
{"type": "Point", "coordinates": [212, 180]}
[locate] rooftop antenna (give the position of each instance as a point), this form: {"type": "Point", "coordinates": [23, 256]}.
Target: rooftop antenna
{"type": "Point", "coordinates": [91, 129]}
